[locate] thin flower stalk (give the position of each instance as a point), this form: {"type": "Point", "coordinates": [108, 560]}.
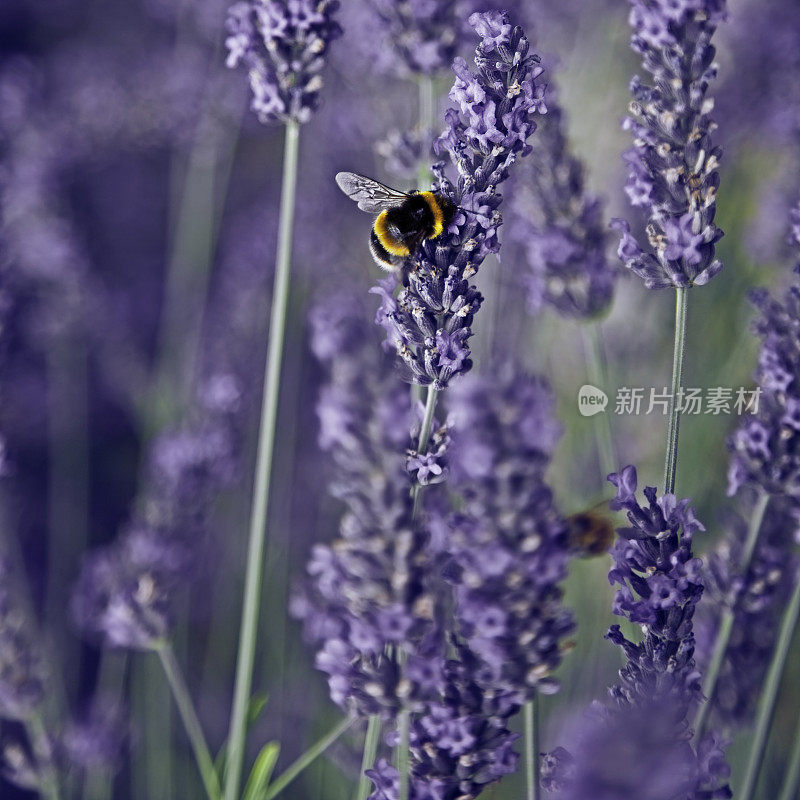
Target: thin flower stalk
{"type": "Point", "coordinates": [191, 722]}
{"type": "Point", "coordinates": [264, 458]}
{"type": "Point", "coordinates": [769, 696]}
{"type": "Point", "coordinates": [674, 410]}
{"type": "Point", "coordinates": [791, 782]}
{"type": "Point", "coordinates": [728, 618]}
{"type": "Point", "coordinates": [283, 45]}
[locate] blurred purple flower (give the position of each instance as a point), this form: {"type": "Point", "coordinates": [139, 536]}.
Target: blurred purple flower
{"type": "Point", "coordinates": [283, 45]}
{"type": "Point", "coordinates": [765, 448]}
{"type": "Point", "coordinates": [508, 545]}
{"type": "Point", "coordinates": [673, 163]}
{"type": "Point", "coordinates": [417, 36]}
{"type": "Point", "coordinates": [632, 752]}
{"type": "Point", "coordinates": [560, 226]}
{"type": "Point", "coordinates": [759, 598]}
{"type": "Point", "coordinates": [368, 588]}
{"type": "Point", "coordinates": [125, 591]}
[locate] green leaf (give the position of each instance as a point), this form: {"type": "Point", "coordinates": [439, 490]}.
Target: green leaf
{"type": "Point", "coordinates": [257, 704]}
{"type": "Point", "coordinates": [261, 773]}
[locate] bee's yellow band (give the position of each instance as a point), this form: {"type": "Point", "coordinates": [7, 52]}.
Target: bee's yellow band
{"type": "Point", "coordinates": [386, 239]}
{"type": "Point", "coordinates": [436, 210]}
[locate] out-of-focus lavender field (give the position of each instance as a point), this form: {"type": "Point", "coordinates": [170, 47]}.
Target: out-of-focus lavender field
{"type": "Point", "coordinates": [396, 552]}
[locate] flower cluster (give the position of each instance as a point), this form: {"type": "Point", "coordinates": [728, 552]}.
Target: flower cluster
{"type": "Point", "coordinates": [560, 227]}
{"type": "Point", "coordinates": [367, 606]}
{"type": "Point", "coordinates": [423, 37]}
{"type": "Point", "coordinates": [508, 544]}
{"type": "Point", "coordinates": [765, 449]}
{"type": "Point", "coordinates": [673, 163]}
{"type": "Point", "coordinates": [429, 320]}
{"type": "Point", "coordinates": [23, 685]}
{"type": "Point", "coordinates": [660, 583]}
{"type": "Point", "coordinates": [283, 45]}
{"type": "Point", "coordinates": [632, 751]}
{"type": "Point", "coordinates": [125, 590]}
{"type": "Point", "coordinates": [460, 745]}
{"type": "Point", "coordinates": [758, 598]}
{"type": "Point", "coordinates": [640, 744]}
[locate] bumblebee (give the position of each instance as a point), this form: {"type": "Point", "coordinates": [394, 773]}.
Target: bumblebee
{"type": "Point", "coordinates": [591, 532]}
{"type": "Point", "coordinates": [405, 219]}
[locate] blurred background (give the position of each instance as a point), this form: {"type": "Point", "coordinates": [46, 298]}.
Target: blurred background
{"type": "Point", "coordinates": [139, 212]}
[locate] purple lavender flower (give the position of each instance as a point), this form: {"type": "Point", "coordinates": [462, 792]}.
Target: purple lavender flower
{"type": "Point", "coordinates": [758, 597]}
{"type": "Point", "coordinates": [560, 227]}
{"type": "Point", "coordinates": [283, 45]}
{"type": "Point", "coordinates": [23, 674]}
{"type": "Point", "coordinates": [459, 745]}
{"type": "Point", "coordinates": [632, 752]}
{"type": "Point", "coordinates": [765, 448]}
{"type": "Point", "coordinates": [429, 321]}
{"type": "Point", "coordinates": [422, 37]}
{"type": "Point", "coordinates": [367, 607]}
{"type": "Point", "coordinates": [660, 584]}
{"type": "Point", "coordinates": [765, 36]}
{"type": "Point", "coordinates": [25, 760]}
{"type": "Point", "coordinates": [125, 590]}
{"type": "Point", "coordinates": [673, 163]}
{"type": "Point", "coordinates": [508, 544]}
{"type": "Point", "coordinates": [640, 744]}
{"type": "Point", "coordinates": [97, 739]}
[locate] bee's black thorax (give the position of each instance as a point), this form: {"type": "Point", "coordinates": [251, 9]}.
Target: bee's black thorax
{"type": "Point", "coordinates": [400, 230]}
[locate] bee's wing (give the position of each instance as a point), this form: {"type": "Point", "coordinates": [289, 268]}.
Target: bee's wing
{"type": "Point", "coordinates": [370, 195]}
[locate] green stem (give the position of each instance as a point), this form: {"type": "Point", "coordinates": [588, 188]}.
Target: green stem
{"type": "Point", "coordinates": [424, 438]}
{"type": "Point", "coordinates": [726, 622]}
{"type": "Point", "coordinates": [312, 753]}
{"type": "Point", "coordinates": [266, 444]}
{"type": "Point", "coordinates": [368, 759]}
{"type": "Point", "coordinates": [769, 696]}
{"type": "Point", "coordinates": [40, 742]}
{"type": "Point", "coordinates": [596, 367]}
{"type": "Point", "coordinates": [791, 783]}
{"type": "Point", "coordinates": [191, 723]}
{"type": "Point", "coordinates": [531, 723]}
{"type": "Point", "coordinates": [403, 725]}
{"type": "Point", "coordinates": [670, 466]}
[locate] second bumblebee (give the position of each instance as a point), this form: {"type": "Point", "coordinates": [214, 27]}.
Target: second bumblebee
{"type": "Point", "coordinates": [405, 219]}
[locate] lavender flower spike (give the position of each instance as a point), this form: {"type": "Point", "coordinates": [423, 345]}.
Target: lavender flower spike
{"type": "Point", "coordinates": [508, 544]}
{"type": "Point", "coordinates": [282, 43]}
{"type": "Point", "coordinates": [422, 37]}
{"type": "Point", "coordinates": [659, 586]}
{"type": "Point", "coordinates": [429, 321]}
{"type": "Point", "coordinates": [673, 163]}
{"type": "Point", "coordinates": [757, 598]}
{"type": "Point", "coordinates": [560, 227]}
{"type": "Point", "coordinates": [367, 606]}
{"type": "Point", "coordinates": [766, 446]}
